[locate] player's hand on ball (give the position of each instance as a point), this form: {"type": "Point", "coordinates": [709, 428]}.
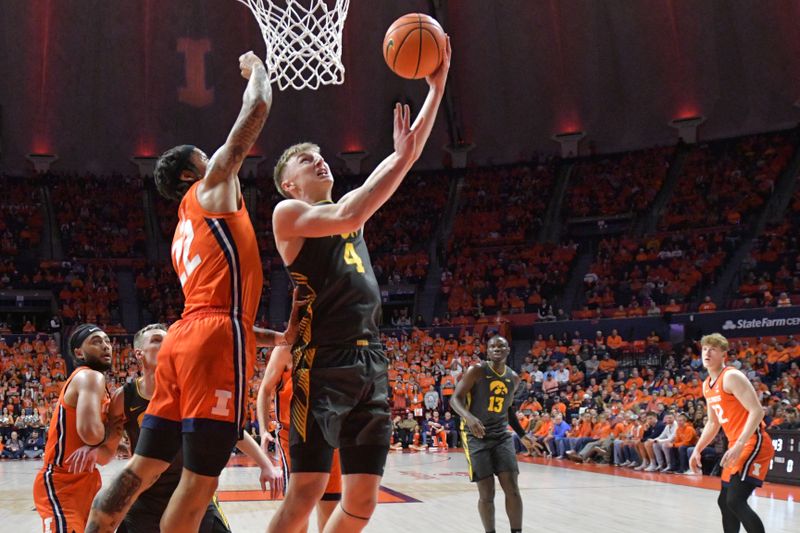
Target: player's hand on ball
{"type": "Point", "coordinates": [439, 76]}
{"type": "Point", "coordinates": [247, 62]}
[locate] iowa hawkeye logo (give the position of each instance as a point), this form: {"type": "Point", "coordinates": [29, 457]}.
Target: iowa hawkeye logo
{"type": "Point", "coordinates": [498, 388]}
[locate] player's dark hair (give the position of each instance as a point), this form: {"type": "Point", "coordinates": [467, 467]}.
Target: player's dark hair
{"type": "Point", "coordinates": [168, 171]}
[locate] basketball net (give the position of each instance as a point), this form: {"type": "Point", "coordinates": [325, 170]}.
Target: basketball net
{"type": "Point", "coordinates": [304, 40]}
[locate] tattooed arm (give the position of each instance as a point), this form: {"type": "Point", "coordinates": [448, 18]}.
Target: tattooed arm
{"type": "Point", "coordinates": [256, 104]}
{"type": "Point", "coordinates": [220, 191]}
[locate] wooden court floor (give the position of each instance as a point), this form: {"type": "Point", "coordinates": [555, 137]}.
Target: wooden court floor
{"type": "Point", "coordinates": [429, 491]}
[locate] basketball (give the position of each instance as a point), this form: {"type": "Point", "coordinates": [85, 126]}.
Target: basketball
{"type": "Point", "coordinates": [414, 46]}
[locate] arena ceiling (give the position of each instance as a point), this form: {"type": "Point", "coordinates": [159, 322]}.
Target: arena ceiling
{"type": "Point", "coordinates": [98, 82]}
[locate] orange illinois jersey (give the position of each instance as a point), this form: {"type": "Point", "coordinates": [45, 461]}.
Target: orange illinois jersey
{"type": "Point", "coordinates": [732, 415]}
{"type": "Point", "coordinates": [283, 401]}
{"type": "Point", "coordinates": [216, 258]}
{"type": "Point", "coordinates": [753, 463]}
{"type": "Point", "coordinates": [62, 437]}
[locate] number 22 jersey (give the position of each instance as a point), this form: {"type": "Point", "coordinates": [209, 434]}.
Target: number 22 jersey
{"type": "Point", "coordinates": [216, 258]}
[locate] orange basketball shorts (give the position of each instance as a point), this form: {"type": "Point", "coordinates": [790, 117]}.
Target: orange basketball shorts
{"type": "Point", "coordinates": [63, 500]}
{"type": "Point", "coordinates": [753, 464]}
{"type": "Point", "coordinates": [204, 366]}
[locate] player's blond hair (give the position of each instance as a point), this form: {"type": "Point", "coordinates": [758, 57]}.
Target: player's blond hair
{"type": "Point", "coordinates": [716, 340]}
{"type": "Point", "coordinates": [283, 160]}
{"type": "Point", "coordinates": [138, 338]}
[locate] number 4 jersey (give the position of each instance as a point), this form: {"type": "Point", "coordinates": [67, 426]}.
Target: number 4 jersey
{"type": "Point", "coordinates": [335, 274]}
{"type": "Point", "coordinates": [753, 463]}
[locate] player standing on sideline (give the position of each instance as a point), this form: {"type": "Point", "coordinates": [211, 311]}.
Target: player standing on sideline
{"type": "Point", "coordinates": [278, 378]}
{"type": "Point", "coordinates": [484, 399]}
{"type": "Point", "coordinates": [207, 359]}
{"type": "Point", "coordinates": [339, 370]}
{"type": "Point", "coordinates": [81, 434]}
{"type": "Point", "coordinates": [734, 406]}
{"type": "Point", "coordinates": [131, 401]}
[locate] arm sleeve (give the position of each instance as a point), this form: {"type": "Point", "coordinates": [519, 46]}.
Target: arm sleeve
{"type": "Point", "coordinates": [513, 421]}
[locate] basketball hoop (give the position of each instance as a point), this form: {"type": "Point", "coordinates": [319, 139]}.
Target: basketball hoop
{"type": "Point", "coordinates": [304, 40]}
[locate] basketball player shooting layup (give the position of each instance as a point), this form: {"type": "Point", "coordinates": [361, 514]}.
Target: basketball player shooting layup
{"type": "Point", "coordinates": [207, 359]}
{"type": "Point", "coordinates": [734, 406]}
{"type": "Point", "coordinates": [339, 379]}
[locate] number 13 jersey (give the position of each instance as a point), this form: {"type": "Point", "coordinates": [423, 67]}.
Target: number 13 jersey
{"type": "Point", "coordinates": [216, 258]}
{"type": "Point", "coordinates": [335, 274]}
{"type": "Point", "coordinates": [489, 399]}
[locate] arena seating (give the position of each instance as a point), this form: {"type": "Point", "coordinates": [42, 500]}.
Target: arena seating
{"type": "Point", "coordinates": [100, 217]}
{"type": "Point", "coordinates": [616, 184]}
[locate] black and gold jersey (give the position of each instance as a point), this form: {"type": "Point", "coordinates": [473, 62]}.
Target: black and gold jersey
{"type": "Point", "coordinates": [489, 399]}
{"type": "Point", "coordinates": [335, 274]}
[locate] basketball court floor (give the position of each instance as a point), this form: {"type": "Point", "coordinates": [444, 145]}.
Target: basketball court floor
{"type": "Point", "coordinates": [430, 491]}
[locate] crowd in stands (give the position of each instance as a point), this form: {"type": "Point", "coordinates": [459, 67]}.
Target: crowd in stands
{"type": "Point", "coordinates": [520, 279]}
{"type": "Point", "coordinates": [21, 218]}
{"type": "Point", "coordinates": [100, 217]}
{"type": "Point", "coordinates": [493, 263]}
{"type": "Point", "coordinates": [503, 205]}
{"type": "Point", "coordinates": [159, 293]}
{"type": "Point", "coordinates": [656, 274]}
{"type": "Point", "coordinates": [33, 372]}
{"type": "Point", "coordinates": [724, 182]}
{"type": "Point", "coordinates": [86, 291]}
{"type": "Point", "coordinates": [770, 275]}
{"type": "Point", "coordinates": [616, 185]}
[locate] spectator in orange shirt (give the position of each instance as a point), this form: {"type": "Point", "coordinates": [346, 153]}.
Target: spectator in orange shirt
{"type": "Point", "coordinates": [448, 387]}
{"type": "Point", "coordinates": [550, 384]}
{"type": "Point", "coordinates": [634, 381]}
{"type": "Point", "coordinates": [580, 435]}
{"type": "Point", "coordinates": [708, 306]}
{"type": "Point", "coordinates": [685, 437]}
{"type": "Point", "coordinates": [607, 366]}
{"type": "Point", "coordinates": [531, 404]}
{"type": "Point", "coordinates": [614, 342]}
{"type": "Point", "coordinates": [599, 441]}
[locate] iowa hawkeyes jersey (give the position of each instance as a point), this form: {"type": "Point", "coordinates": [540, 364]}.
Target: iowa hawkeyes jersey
{"type": "Point", "coordinates": [489, 399]}
{"type": "Point", "coordinates": [155, 498]}
{"type": "Point", "coordinates": [336, 275]}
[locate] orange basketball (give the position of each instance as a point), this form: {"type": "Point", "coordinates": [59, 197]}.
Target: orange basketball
{"type": "Point", "coordinates": [414, 46]}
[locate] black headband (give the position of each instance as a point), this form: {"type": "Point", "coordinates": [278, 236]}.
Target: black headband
{"type": "Point", "coordinates": [184, 153]}
{"type": "Point", "coordinates": [80, 334]}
